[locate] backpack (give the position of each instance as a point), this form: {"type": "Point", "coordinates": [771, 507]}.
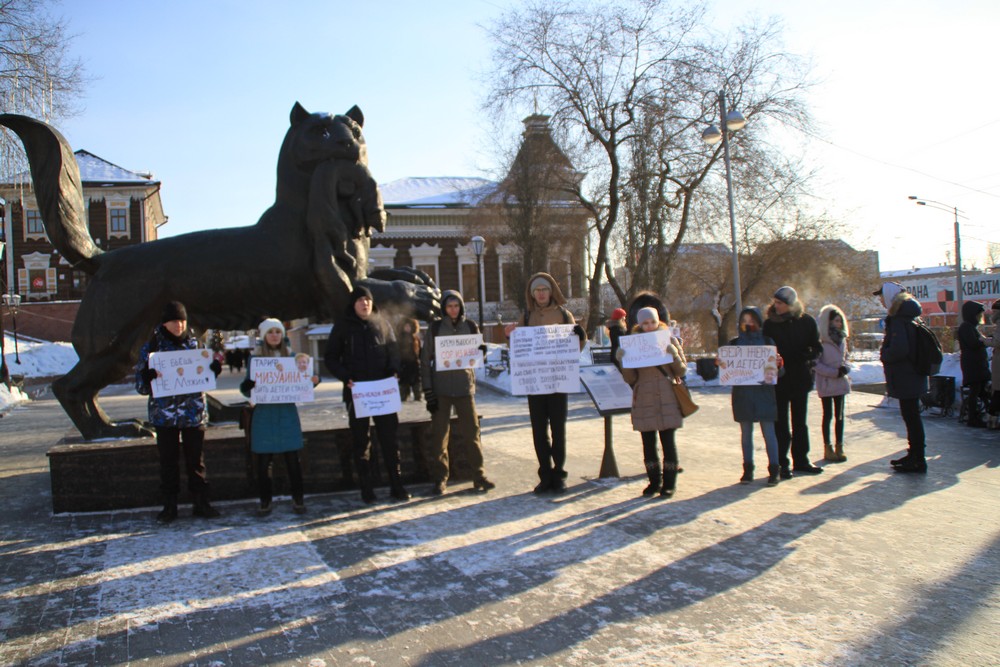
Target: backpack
{"type": "Point", "coordinates": [928, 355]}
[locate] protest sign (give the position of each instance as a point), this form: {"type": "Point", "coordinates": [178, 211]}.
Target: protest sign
{"type": "Point", "coordinates": [646, 349]}
{"type": "Point", "coordinates": [378, 397]}
{"type": "Point", "coordinates": [748, 364]}
{"type": "Point", "coordinates": [457, 353]}
{"type": "Point", "coordinates": [544, 360]}
{"type": "Point", "coordinates": [282, 379]}
{"type": "Point", "coordinates": [181, 372]}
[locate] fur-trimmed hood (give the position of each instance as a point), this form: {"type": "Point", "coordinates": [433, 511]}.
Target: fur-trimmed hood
{"type": "Point", "coordinates": [823, 322]}
{"type": "Point", "coordinates": [557, 298]}
{"type": "Point", "coordinates": [795, 310]}
{"type": "Point", "coordinates": [646, 300]}
{"type": "Point", "coordinates": [904, 305]}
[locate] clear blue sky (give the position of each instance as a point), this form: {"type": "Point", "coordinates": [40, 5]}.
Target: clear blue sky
{"type": "Point", "coordinates": [199, 94]}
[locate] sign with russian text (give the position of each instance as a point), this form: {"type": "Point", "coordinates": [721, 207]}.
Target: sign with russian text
{"type": "Point", "coordinates": [181, 372]}
{"type": "Point", "coordinates": [646, 349]}
{"type": "Point", "coordinates": [457, 353]}
{"type": "Point", "coordinates": [544, 360]}
{"type": "Point", "coordinates": [748, 364]}
{"type": "Point", "coordinates": [282, 380]}
{"type": "Point", "coordinates": [378, 397]}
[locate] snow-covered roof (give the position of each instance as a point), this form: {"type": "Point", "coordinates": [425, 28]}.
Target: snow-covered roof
{"type": "Point", "coordinates": [436, 191]}
{"type": "Point", "coordinates": [94, 169]}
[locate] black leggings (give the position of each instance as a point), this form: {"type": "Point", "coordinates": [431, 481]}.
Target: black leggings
{"type": "Point", "coordinates": [833, 406]}
{"type": "Point", "coordinates": [292, 465]}
{"type": "Point", "coordinates": [649, 450]}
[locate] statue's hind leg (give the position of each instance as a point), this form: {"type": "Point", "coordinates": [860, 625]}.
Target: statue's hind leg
{"type": "Point", "coordinates": [77, 393]}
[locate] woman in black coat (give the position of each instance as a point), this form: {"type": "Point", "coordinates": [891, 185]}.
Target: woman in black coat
{"type": "Point", "coordinates": [902, 379]}
{"type": "Point", "coordinates": [975, 363]}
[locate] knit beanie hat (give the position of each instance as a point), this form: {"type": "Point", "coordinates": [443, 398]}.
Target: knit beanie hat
{"type": "Point", "coordinates": [361, 292]}
{"type": "Point", "coordinates": [786, 295]}
{"type": "Point", "coordinates": [647, 314]}
{"type": "Point", "coordinates": [540, 281]}
{"type": "Point", "coordinates": [173, 310]}
{"type": "Point", "coordinates": [268, 324]}
{"type": "Point", "coordinates": [619, 314]}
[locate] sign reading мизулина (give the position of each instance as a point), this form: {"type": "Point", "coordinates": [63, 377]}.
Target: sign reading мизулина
{"type": "Point", "coordinates": [282, 379]}
{"type": "Point", "coordinates": [378, 397]}
{"type": "Point", "coordinates": [646, 349]}
{"type": "Point", "coordinates": [181, 372]}
{"type": "Point", "coordinates": [748, 364]}
{"type": "Point", "coordinates": [544, 360]}
{"type": "Point", "coordinates": [457, 353]}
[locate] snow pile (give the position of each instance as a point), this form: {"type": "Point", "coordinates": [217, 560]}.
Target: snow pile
{"type": "Point", "coordinates": [38, 359]}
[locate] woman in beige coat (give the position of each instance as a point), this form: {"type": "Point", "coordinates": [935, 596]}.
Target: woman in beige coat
{"type": "Point", "coordinates": [655, 408]}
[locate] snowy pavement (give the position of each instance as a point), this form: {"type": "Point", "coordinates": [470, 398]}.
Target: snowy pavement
{"type": "Point", "coordinates": [857, 566]}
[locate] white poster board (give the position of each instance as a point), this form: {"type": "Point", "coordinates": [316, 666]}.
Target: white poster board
{"type": "Point", "coordinates": [607, 388]}
{"type": "Point", "coordinates": [748, 364]}
{"type": "Point", "coordinates": [544, 360]}
{"type": "Point", "coordinates": [646, 349]}
{"type": "Point", "coordinates": [457, 353]}
{"type": "Point", "coordinates": [181, 372]}
{"type": "Point", "coordinates": [282, 379]}
{"type": "Point", "coordinates": [378, 397]}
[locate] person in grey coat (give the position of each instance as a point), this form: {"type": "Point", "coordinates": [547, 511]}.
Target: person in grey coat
{"type": "Point", "coordinates": [756, 403]}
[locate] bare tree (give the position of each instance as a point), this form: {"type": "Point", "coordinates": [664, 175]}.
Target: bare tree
{"type": "Point", "coordinates": [627, 81]}
{"type": "Point", "coordinates": [38, 77]}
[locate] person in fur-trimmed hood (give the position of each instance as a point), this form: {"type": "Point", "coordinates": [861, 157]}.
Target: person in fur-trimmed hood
{"type": "Point", "coordinates": [548, 412]}
{"type": "Point", "coordinates": [796, 335]}
{"type": "Point", "coordinates": [832, 380]}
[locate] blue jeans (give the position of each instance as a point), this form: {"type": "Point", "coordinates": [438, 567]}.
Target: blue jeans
{"type": "Point", "coordinates": [770, 442]}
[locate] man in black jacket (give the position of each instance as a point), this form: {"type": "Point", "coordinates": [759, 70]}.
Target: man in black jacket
{"type": "Point", "coordinates": [797, 337]}
{"type": "Point", "coordinates": [362, 348]}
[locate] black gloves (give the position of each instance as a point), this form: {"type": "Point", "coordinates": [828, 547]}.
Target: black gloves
{"type": "Point", "coordinates": [484, 349]}
{"type": "Point", "coordinates": [215, 367]}
{"type": "Point", "coordinates": [578, 330]}
{"type": "Point", "coordinates": [842, 371]}
{"type": "Point", "coordinates": [432, 400]}
{"type": "Point", "coordinates": [148, 375]}
{"type": "Point", "coordinates": [247, 386]}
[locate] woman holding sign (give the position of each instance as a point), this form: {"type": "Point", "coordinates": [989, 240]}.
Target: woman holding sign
{"type": "Point", "coordinates": [275, 427]}
{"type": "Point", "coordinates": [179, 419]}
{"type": "Point", "coordinates": [545, 306]}
{"type": "Point", "coordinates": [362, 348]}
{"type": "Point", "coordinates": [655, 410]}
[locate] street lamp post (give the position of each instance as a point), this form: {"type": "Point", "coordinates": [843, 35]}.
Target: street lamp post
{"type": "Point", "coordinates": [4, 372]}
{"type": "Point", "coordinates": [13, 302]}
{"type": "Point", "coordinates": [729, 122]}
{"type": "Point", "coordinates": [478, 245]}
{"type": "Point", "coordinates": [930, 203]}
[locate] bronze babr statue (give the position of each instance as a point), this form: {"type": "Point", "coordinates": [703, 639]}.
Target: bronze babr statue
{"type": "Point", "coordinates": [302, 259]}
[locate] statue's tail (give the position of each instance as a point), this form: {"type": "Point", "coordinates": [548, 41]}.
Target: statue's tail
{"type": "Point", "coordinates": [58, 189]}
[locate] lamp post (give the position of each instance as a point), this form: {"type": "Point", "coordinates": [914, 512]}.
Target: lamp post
{"type": "Point", "coordinates": [13, 302]}
{"type": "Point", "coordinates": [4, 372]}
{"type": "Point", "coordinates": [958, 246]}
{"type": "Point", "coordinates": [478, 245]}
{"type": "Point", "coordinates": [729, 122]}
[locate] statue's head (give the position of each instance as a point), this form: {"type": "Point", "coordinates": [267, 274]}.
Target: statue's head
{"type": "Point", "coordinates": [315, 137]}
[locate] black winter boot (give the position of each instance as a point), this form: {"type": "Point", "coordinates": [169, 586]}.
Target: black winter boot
{"type": "Point", "coordinates": [545, 482]}
{"type": "Point", "coordinates": [396, 489]}
{"type": "Point", "coordinates": [202, 508]}
{"type": "Point", "coordinates": [655, 474]}
{"type": "Point", "coordinates": [169, 511]}
{"type": "Point", "coordinates": [773, 475]}
{"type": "Point", "coordinates": [669, 479]}
{"type": "Point", "coordinates": [747, 473]}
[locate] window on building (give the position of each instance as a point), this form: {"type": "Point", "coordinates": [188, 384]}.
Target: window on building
{"type": "Point", "coordinates": [33, 222]}
{"type": "Point", "coordinates": [470, 289]}
{"type": "Point", "coordinates": [559, 269]}
{"type": "Point", "coordinates": [118, 221]}
{"type": "Point", "coordinates": [429, 269]}
{"type": "Point", "coordinates": [508, 278]}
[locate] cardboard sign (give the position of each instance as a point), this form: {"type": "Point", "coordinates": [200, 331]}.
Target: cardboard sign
{"type": "Point", "coordinates": [646, 349]}
{"type": "Point", "coordinates": [607, 389]}
{"type": "Point", "coordinates": [181, 372]}
{"type": "Point", "coordinates": [748, 364]}
{"type": "Point", "coordinates": [282, 379]}
{"type": "Point", "coordinates": [544, 360]}
{"type": "Point", "coordinates": [378, 397]}
{"type": "Point", "coordinates": [457, 353]}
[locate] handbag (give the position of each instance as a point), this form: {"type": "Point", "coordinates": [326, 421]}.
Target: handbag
{"type": "Point", "coordinates": [684, 401]}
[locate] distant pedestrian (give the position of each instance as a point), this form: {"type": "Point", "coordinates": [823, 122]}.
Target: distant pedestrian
{"type": "Point", "coordinates": [796, 335]}
{"type": "Point", "coordinates": [756, 403]}
{"type": "Point", "coordinates": [903, 380]}
{"type": "Point", "coordinates": [832, 380]}
{"type": "Point", "coordinates": [616, 329]}
{"type": "Point", "coordinates": [656, 414]}
{"type": "Point", "coordinates": [447, 388]}
{"type": "Point", "coordinates": [975, 365]}
{"type": "Point", "coordinates": [179, 420]}
{"type": "Point", "coordinates": [408, 337]}
{"type": "Point", "coordinates": [275, 427]}
{"type": "Point", "coordinates": [994, 419]}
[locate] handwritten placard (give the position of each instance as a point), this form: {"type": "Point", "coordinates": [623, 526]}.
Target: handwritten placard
{"type": "Point", "coordinates": [646, 349]}
{"type": "Point", "coordinates": [282, 379]}
{"type": "Point", "coordinates": [378, 397]}
{"type": "Point", "coordinates": [748, 364]}
{"type": "Point", "coordinates": [544, 360]}
{"type": "Point", "coordinates": [457, 353]}
{"type": "Point", "coordinates": [181, 372]}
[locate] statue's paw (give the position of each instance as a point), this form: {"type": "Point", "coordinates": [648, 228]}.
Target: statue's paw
{"type": "Point", "coordinates": [404, 273]}
{"type": "Point", "coordinates": [424, 300]}
{"type": "Point", "coordinates": [130, 428]}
